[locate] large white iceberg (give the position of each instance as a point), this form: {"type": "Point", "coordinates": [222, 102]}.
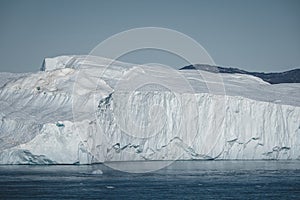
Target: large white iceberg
{"type": "Point", "coordinates": [80, 109]}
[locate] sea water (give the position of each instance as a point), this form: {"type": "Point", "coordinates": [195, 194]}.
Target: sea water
{"type": "Point", "coordinates": [180, 180]}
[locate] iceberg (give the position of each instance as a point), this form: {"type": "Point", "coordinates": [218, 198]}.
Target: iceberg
{"type": "Point", "coordinates": [83, 110]}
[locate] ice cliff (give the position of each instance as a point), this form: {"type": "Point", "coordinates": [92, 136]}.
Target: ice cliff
{"type": "Point", "coordinates": [78, 110]}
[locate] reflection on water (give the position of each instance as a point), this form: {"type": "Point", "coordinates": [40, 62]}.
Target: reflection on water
{"type": "Point", "coordinates": [181, 180]}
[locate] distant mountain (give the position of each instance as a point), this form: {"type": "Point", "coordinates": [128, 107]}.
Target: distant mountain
{"type": "Point", "coordinates": [292, 76]}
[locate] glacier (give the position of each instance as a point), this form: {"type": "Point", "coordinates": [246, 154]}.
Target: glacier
{"type": "Point", "coordinates": [76, 110]}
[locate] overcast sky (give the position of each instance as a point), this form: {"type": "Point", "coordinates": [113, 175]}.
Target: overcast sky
{"type": "Point", "coordinates": [256, 35]}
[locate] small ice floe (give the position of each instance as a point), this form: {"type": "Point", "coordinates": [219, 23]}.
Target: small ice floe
{"type": "Point", "coordinates": [97, 172]}
{"type": "Point", "coordinates": [109, 187]}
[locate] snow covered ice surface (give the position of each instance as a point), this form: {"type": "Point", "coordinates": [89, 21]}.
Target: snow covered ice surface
{"type": "Point", "coordinates": [78, 110]}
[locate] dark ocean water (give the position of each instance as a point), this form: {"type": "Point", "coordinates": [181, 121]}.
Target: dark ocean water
{"type": "Point", "coordinates": [181, 180]}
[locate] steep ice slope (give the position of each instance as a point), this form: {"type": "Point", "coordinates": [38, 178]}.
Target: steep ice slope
{"type": "Point", "coordinates": [78, 110]}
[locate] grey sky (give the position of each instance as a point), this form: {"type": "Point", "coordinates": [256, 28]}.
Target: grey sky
{"type": "Point", "coordinates": [256, 35]}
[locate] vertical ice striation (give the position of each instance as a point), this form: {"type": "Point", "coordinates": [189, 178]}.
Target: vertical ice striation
{"type": "Point", "coordinates": [248, 129]}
